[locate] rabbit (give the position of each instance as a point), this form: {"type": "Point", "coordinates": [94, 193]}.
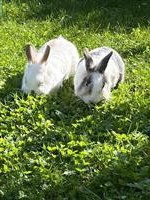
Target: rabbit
{"type": "Point", "coordinates": [97, 73]}
{"type": "Point", "coordinates": [49, 66]}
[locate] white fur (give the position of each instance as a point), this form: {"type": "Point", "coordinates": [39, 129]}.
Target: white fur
{"type": "Point", "coordinates": [114, 68]}
{"type": "Point", "coordinates": [43, 78]}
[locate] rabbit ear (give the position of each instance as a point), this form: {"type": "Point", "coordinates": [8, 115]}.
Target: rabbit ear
{"type": "Point", "coordinates": [103, 64]}
{"type": "Point", "coordinates": [30, 53]}
{"type": "Point", "coordinates": [46, 54]}
{"type": "Point", "coordinates": [88, 60]}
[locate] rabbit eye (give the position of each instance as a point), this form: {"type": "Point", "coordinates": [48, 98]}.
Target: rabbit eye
{"type": "Point", "coordinates": [88, 81]}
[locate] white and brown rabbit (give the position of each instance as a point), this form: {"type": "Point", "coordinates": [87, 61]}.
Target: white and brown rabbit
{"type": "Point", "coordinates": [97, 73]}
{"type": "Point", "coordinates": [49, 66]}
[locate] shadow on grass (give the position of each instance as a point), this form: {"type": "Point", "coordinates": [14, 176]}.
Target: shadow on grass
{"type": "Point", "coordinates": [90, 14]}
{"type": "Point", "coordinates": [12, 85]}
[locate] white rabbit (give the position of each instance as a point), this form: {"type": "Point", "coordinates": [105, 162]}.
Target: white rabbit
{"type": "Point", "coordinates": [47, 68]}
{"type": "Point", "coordinates": [97, 73]}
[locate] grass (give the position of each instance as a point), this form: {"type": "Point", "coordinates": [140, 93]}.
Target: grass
{"type": "Point", "coordinates": [57, 147]}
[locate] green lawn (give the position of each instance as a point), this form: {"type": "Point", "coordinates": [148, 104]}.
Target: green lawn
{"type": "Point", "coordinates": [56, 147]}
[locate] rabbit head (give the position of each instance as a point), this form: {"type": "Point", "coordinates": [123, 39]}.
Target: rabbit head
{"type": "Point", "coordinates": [34, 78]}
{"type": "Point", "coordinates": [90, 79]}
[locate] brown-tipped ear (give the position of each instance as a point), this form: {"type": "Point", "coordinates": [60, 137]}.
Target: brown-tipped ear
{"type": "Point", "coordinates": [46, 54]}
{"type": "Point", "coordinates": [88, 60]}
{"type": "Point", "coordinates": [30, 53]}
{"type": "Point", "coordinates": [103, 64]}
